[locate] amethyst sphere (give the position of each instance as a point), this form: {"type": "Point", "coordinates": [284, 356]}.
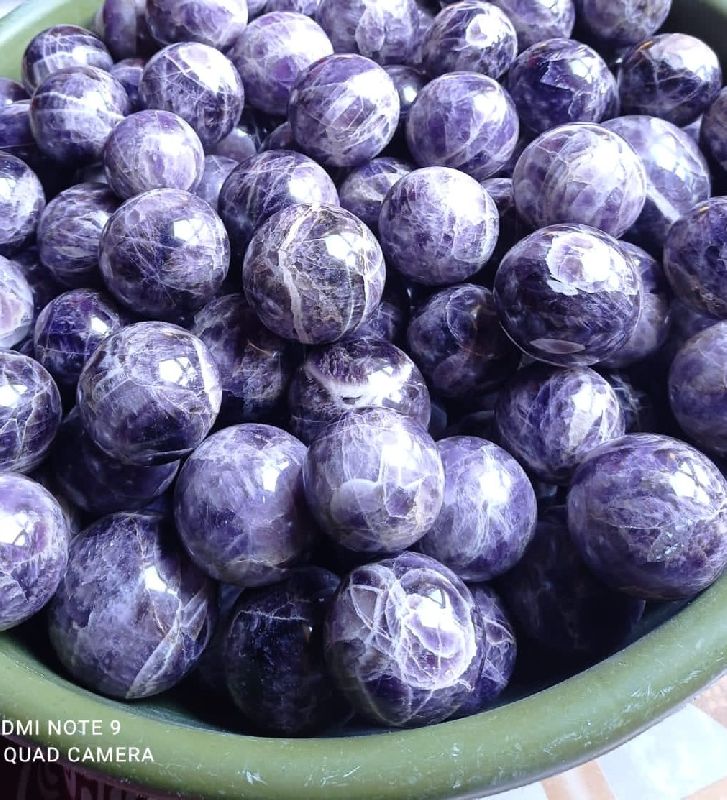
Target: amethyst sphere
{"type": "Point", "coordinates": [457, 341]}
{"type": "Point", "coordinates": [561, 81]}
{"type": "Point", "coordinates": [70, 328]}
{"type": "Point", "coordinates": [489, 510]}
{"type": "Point", "coordinates": [438, 226]}
{"type": "Point", "coordinates": [713, 138]}
{"type": "Point", "coordinates": [677, 176]}
{"type": "Point", "coordinates": [568, 295]}
{"type": "Point", "coordinates": [272, 52]}
{"type": "Point", "coordinates": [197, 83]}
{"type": "Point", "coordinates": [128, 73]}
{"type": "Point", "coordinates": [551, 418]}
{"type": "Point", "coordinates": [313, 273]}
{"type": "Point", "coordinates": [549, 179]}
{"type": "Point", "coordinates": [363, 190]}
{"type": "Point", "coordinates": [465, 121]}
{"type": "Point", "coordinates": [124, 29]}
{"type": "Point", "coordinates": [273, 661]}
{"type": "Point", "coordinates": [254, 364]}
{"type": "Point", "coordinates": [132, 615]}
{"type": "Point", "coordinates": [61, 47]}
{"type": "Point", "coordinates": [16, 304]}
{"type": "Point", "coordinates": [239, 505]}
{"type": "Point", "coordinates": [70, 231]}
{"type": "Point", "coordinates": [164, 254]}
{"type": "Point", "coordinates": [673, 76]}
{"type": "Point", "coordinates": [217, 23]}
{"type": "Point", "coordinates": [537, 20]}
{"type": "Point", "coordinates": [22, 201]}
{"type": "Point", "coordinates": [280, 138]}
{"type": "Point", "coordinates": [265, 184]}
{"type": "Point", "coordinates": [216, 171]}
{"type": "Point", "coordinates": [402, 641]}
{"type": "Point", "coordinates": [11, 91]}
{"type": "Point", "coordinates": [30, 412]}
{"type": "Point", "coordinates": [622, 23]}
{"type": "Point", "coordinates": [649, 515]}
{"type": "Point", "coordinates": [33, 549]}
{"type": "Point", "coordinates": [374, 481]}
{"type": "Point", "coordinates": [343, 110]}
{"type": "Point", "coordinates": [355, 373]}
{"type": "Point", "coordinates": [149, 394]}
{"type": "Point", "coordinates": [152, 150]}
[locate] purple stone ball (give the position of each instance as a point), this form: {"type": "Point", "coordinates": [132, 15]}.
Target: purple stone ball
{"type": "Point", "coordinates": [686, 322]}
{"type": "Point", "coordinates": [465, 121]}
{"type": "Point", "coordinates": [343, 110]}
{"type": "Point", "coordinates": [239, 505]}
{"type": "Point", "coordinates": [313, 273]}
{"type": "Point", "coordinates": [280, 138]}
{"type": "Point", "coordinates": [673, 76]}
{"type": "Point", "coordinates": [580, 173]}
{"type": "Point", "coordinates": [16, 304]}
{"type": "Point", "coordinates": [537, 20]}
{"type": "Point", "coordinates": [568, 295]}
{"type": "Point", "coordinates": [272, 52]}
{"type": "Point", "coordinates": [216, 171]}
{"type": "Point", "coordinates": [22, 202]}
{"type": "Point", "coordinates": [512, 227]}
{"type": "Point", "coordinates": [132, 615]}
{"type": "Point", "coordinates": [457, 341]}
{"type": "Point", "coordinates": [649, 516]}
{"type": "Point", "coordinates": [364, 188]}
{"type": "Point", "coordinates": [713, 135]}
{"type": "Point", "coordinates": [123, 27]}
{"type": "Point", "coordinates": [197, 83]}
{"type": "Point", "coordinates": [16, 136]}
{"type": "Point", "coordinates": [149, 394]}
{"type": "Point", "coordinates": [34, 550]}
{"type": "Point", "coordinates": [217, 23]}
{"type": "Point", "coordinates": [403, 642]}
{"type": "Point", "coordinates": [637, 405]}
{"type": "Point", "coordinates": [11, 91]}
{"type": "Point", "coordinates": [128, 73]}
{"type": "Point", "coordinates": [43, 284]}
{"type": "Point", "coordinates": [408, 82]}
{"type": "Point", "coordinates": [390, 318]}
{"type": "Point", "coordinates": [246, 139]}
{"type": "Point", "coordinates": [30, 412]}
{"type": "Point", "coordinates": [622, 23]}
{"type": "Point", "coordinates": [307, 7]}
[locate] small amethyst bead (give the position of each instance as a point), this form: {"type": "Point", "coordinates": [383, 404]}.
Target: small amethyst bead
{"type": "Point", "coordinates": [363, 190]}
{"type": "Point", "coordinates": [22, 202]}
{"type": "Point", "coordinates": [713, 138]}
{"type": "Point", "coordinates": [537, 20]}
{"type": "Point", "coordinates": [16, 304]}
{"type": "Point", "coordinates": [216, 171]}
{"type": "Point", "coordinates": [11, 91]}
{"type": "Point", "coordinates": [128, 73]}
{"type": "Point", "coordinates": [217, 23]}
{"type": "Point", "coordinates": [124, 29]}
{"type": "Point", "coordinates": [622, 23]}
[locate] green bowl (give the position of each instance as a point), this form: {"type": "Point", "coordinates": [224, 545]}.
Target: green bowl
{"type": "Point", "coordinates": [514, 744]}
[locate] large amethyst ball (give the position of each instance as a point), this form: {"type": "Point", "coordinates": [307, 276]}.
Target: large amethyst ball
{"type": "Point", "coordinates": [363, 190]}
{"type": "Point", "coordinates": [164, 254]}
{"type": "Point", "coordinates": [355, 373]}
{"type": "Point", "coordinates": [132, 615]}
{"type": "Point", "coordinates": [22, 201]}
{"type": "Point", "coordinates": [10, 92]}
{"type": "Point", "coordinates": [438, 226]}
{"type": "Point", "coordinates": [70, 231]}
{"type": "Point", "coordinates": [465, 121]}
{"type": "Point", "coordinates": [152, 150]}
{"type": "Point", "coordinates": [622, 23]}
{"type": "Point", "coordinates": [457, 341]}
{"type": "Point", "coordinates": [149, 394]}
{"type": "Point", "coordinates": [343, 110]}
{"type": "Point", "coordinates": [30, 412]}
{"type": "Point", "coordinates": [673, 76]}
{"type": "Point", "coordinates": [713, 138]}
{"type": "Point", "coordinates": [580, 173]}
{"type": "Point", "coordinates": [568, 295]}
{"type": "Point", "coordinates": [274, 663]}
{"type": "Point", "coordinates": [239, 505]}
{"type": "Point", "coordinates": [313, 273]}
{"type": "Point", "coordinates": [16, 304]}
{"type": "Point", "coordinates": [649, 516]}
{"type": "Point", "coordinates": [216, 171]}
{"type": "Point", "coordinates": [489, 510]}
{"type": "Point", "coordinates": [402, 641]}
{"type": "Point", "coordinates": [537, 20]}
{"type": "Point", "coordinates": [551, 418]}
{"type": "Point", "coordinates": [217, 23]}
{"type": "Point", "coordinates": [33, 548]}
{"type": "Point", "coordinates": [272, 52]}
{"type": "Point", "coordinates": [122, 24]}
{"type": "Point", "coordinates": [374, 481]}
{"type": "Point", "coordinates": [129, 73]}
{"type": "Point", "coordinates": [198, 84]}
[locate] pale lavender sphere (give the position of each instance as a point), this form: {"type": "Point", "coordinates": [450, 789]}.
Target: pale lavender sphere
{"type": "Point", "coordinates": [11, 91]}
{"type": "Point", "coordinates": [128, 73]}
{"type": "Point", "coordinates": [648, 514]}
{"type": "Point", "coordinates": [149, 394]}
{"type": "Point", "coordinates": [580, 173]}
{"type": "Point", "coordinates": [489, 510]}
{"type": "Point", "coordinates": [216, 171]}
{"type": "Point", "coordinates": [164, 254]}
{"type": "Point", "coordinates": [16, 304]}
{"type": "Point", "coordinates": [70, 231]}
{"type": "Point", "coordinates": [567, 295]}
{"type": "Point", "coordinates": [551, 418]}
{"type": "Point", "coordinates": [217, 23]}
{"type": "Point", "coordinates": [22, 202]}
{"type": "Point", "coordinates": [363, 190]}
{"type": "Point", "coordinates": [438, 226]}
{"type": "Point", "coordinates": [713, 138]}
{"type": "Point", "coordinates": [622, 23]}
{"type": "Point", "coordinates": [313, 273]}
{"type": "Point", "coordinates": [123, 27]}
{"type": "Point", "coordinates": [673, 76]}
{"type": "Point", "coordinates": [408, 81]}
{"type": "Point", "coordinates": [34, 551]}
{"type": "Point", "coordinates": [465, 121]}
{"type": "Point", "coordinates": [403, 641]}
{"type": "Point", "coordinates": [74, 111]}
{"type": "Point", "coordinates": [343, 110]}
{"type": "Point", "coordinates": [537, 20]}
{"type": "Point", "coordinates": [61, 47]}
{"type": "Point", "coordinates": [152, 150]}
{"type": "Point", "coordinates": [307, 7]}
{"type": "Point", "coordinates": [197, 83]}
{"type": "Point", "coordinates": [132, 615]}
{"type": "Point", "coordinates": [272, 52]}
{"type": "Point", "coordinates": [239, 505]}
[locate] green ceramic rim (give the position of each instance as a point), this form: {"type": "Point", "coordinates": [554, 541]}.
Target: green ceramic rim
{"type": "Point", "coordinates": [506, 747]}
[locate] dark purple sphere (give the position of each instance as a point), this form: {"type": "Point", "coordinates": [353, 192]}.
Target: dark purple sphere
{"type": "Point", "coordinates": [280, 138]}
{"type": "Point", "coordinates": [11, 91]}
{"type": "Point", "coordinates": [216, 171]}
{"type": "Point", "coordinates": [391, 317]}
{"type": "Point", "coordinates": [123, 27]}
{"type": "Point", "coordinates": [217, 23]}
{"type": "Point", "coordinates": [40, 279]}
{"type": "Point", "coordinates": [713, 136]}
{"type": "Point", "coordinates": [22, 202]}
{"type": "Point", "coordinates": [622, 23]}
{"type": "Point", "coordinates": [537, 20]}
{"type": "Point", "coordinates": [512, 227]}
{"type": "Point", "coordinates": [128, 73]}
{"type": "Point", "coordinates": [363, 190]}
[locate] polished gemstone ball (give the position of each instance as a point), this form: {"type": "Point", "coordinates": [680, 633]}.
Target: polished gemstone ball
{"type": "Point", "coordinates": [129, 73]}
{"type": "Point", "coordinates": [22, 202]}
{"type": "Point", "coordinates": [685, 323]}
{"type": "Point", "coordinates": [217, 23]}
{"type": "Point", "coordinates": [363, 190]}
{"type": "Point", "coordinates": [215, 172]}
{"type": "Point", "coordinates": [622, 23]}
{"type": "Point", "coordinates": [16, 304]}
{"type": "Point", "coordinates": [124, 29]}
{"type": "Point", "coordinates": [280, 138]}
{"type": "Point", "coordinates": [245, 139]}
{"type": "Point", "coordinates": [11, 91]}
{"type": "Point", "coordinates": [537, 20]}
{"type": "Point", "coordinates": [713, 131]}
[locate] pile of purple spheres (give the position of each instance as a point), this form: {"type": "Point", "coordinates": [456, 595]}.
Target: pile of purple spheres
{"type": "Point", "coordinates": [344, 345]}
